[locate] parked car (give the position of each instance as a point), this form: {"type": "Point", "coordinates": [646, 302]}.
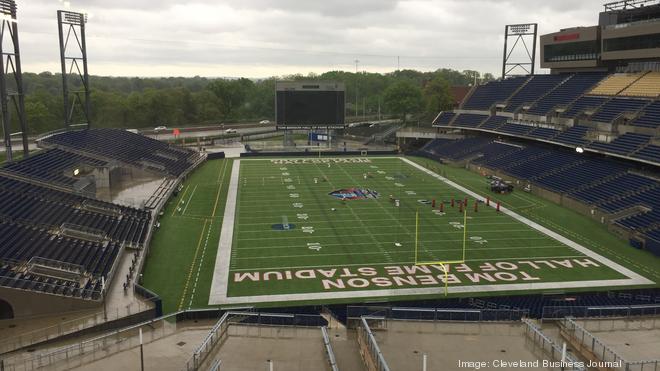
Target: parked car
{"type": "Point", "coordinates": [230, 131]}
{"type": "Point", "coordinates": [159, 128]}
{"type": "Point", "coordinates": [264, 122]}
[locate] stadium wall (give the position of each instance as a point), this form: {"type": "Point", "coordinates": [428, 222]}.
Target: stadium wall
{"type": "Point", "coordinates": [30, 304]}
{"type": "Point", "coordinates": [315, 153]}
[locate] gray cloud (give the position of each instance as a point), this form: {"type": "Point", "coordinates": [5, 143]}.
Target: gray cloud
{"type": "Point", "coordinates": [272, 37]}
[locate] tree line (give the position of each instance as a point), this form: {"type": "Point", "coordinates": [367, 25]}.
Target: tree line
{"type": "Point", "coordinates": [133, 102]}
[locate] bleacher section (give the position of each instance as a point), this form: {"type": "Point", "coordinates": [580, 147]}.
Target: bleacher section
{"type": "Point", "coordinates": [444, 118]}
{"type": "Point", "coordinates": [583, 104]}
{"type": "Point", "coordinates": [650, 152]}
{"type": "Point", "coordinates": [609, 185]}
{"type": "Point", "coordinates": [493, 123]}
{"type": "Point", "coordinates": [647, 86]}
{"type": "Point", "coordinates": [616, 83]}
{"type": "Point", "coordinates": [649, 117]}
{"type": "Point", "coordinates": [624, 144]}
{"type": "Point", "coordinates": [54, 166]}
{"type": "Point", "coordinates": [484, 96]}
{"type": "Point", "coordinates": [33, 220]}
{"type": "Point", "coordinates": [21, 243]}
{"type": "Point", "coordinates": [127, 147]}
{"type": "Point", "coordinates": [616, 107]}
{"type": "Point", "coordinates": [566, 93]}
{"type": "Point", "coordinates": [573, 136]}
{"type": "Point", "coordinates": [536, 87]}
{"type": "Point", "coordinates": [469, 120]}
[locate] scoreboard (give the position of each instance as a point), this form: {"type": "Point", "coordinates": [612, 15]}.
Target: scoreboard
{"type": "Point", "coordinates": [310, 104]}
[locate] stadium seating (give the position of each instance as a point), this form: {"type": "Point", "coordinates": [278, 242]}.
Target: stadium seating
{"type": "Point", "coordinates": [647, 86]}
{"type": "Point", "coordinates": [53, 165]}
{"type": "Point", "coordinates": [583, 104]}
{"type": "Point", "coordinates": [484, 96]}
{"type": "Point", "coordinates": [444, 118]}
{"type": "Point", "coordinates": [543, 133]}
{"type": "Point", "coordinates": [493, 123]}
{"type": "Point", "coordinates": [515, 129]}
{"type": "Point", "coordinates": [624, 144]}
{"type": "Point", "coordinates": [469, 120]}
{"type": "Point", "coordinates": [616, 83]}
{"type": "Point", "coordinates": [614, 187]}
{"type": "Point", "coordinates": [612, 109]}
{"type": "Point", "coordinates": [536, 87]}
{"type": "Point", "coordinates": [573, 136]}
{"type": "Point", "coordinates": [649, 117]}
{"type": "Point", "coordinates": [65, 229]}
{"type": "Point", "coordinates": [651, 152]}
{"type": "Point", "coordinates": [22, 243]}
{"type": "Point", "coordinates": [566, 93]}
{"type": "Point", "coordinates": [127, 147]}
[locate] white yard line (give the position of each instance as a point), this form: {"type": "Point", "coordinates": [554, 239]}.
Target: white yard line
{"type": "Point", "coordinates": [220, 281]}
{"type": "Point", "coordinates": [189, 199]}
{"type": "Point", "coordinates": [219, 287]}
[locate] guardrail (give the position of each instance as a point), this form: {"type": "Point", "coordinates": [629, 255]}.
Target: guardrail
{"type": "Point", "coordinates": [220, 331]}
{"type": "Point", "coordinates": [436, 314]}
{"type": "Point", "coordinates": [578, 334]}
{"type": "Point", "coordinates": [621, 311]}
{"type": "Point", "coordinates": [547, 346]}
{"type": "Point", "coordinates": [369, 350]}
{"type": "Point", "coordinates": [328, 349]}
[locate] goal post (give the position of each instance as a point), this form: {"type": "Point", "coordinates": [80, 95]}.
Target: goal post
{"type": "Point", "coordinates": [442, 263]}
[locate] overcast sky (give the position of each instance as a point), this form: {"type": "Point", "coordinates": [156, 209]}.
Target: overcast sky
{"type": "Point", "coordinates": [260, 38]}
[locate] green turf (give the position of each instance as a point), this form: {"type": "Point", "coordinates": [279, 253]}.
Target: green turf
{"type": "Point", "coordinates": [360, 233]}
{"type": "Point", "coordinates": [178, 247]}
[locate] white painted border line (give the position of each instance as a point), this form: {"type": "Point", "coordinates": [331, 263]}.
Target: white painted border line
{"type": "Point", "coordinates": [220, 281]}
{"type": "Point", "coordinates": [617, 267]}
{"type": "Point", "coordinates": [218, 294]}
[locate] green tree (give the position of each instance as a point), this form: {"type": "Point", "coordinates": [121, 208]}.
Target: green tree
{"type": "Point", "coordinates": [437, 96]}
{"type": "Point", "coordinates": [403, 98]}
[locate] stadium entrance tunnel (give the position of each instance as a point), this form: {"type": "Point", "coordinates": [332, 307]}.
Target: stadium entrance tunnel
{"type": "Point", "coordinates": [6, 310]}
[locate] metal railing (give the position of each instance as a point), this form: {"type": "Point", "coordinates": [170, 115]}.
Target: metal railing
{"type": "Point", "coordinates": [72, 326]}
{"type": "Point", "coordinates": [371, 354]}
{"type": "Point", "coordinates": [328, 349]}
{"type": "Point", "coordinates": [219, 332]}
{"type": "Point", "coordinates": [590, 342]}
{"type": "Point", "coordinates": [437, 314]}
{"type": "Point", "coordinates": [549, 348]}
{"type": "Point", "coordinates": [369, 349]}
{"type": "Point", "coordinates": [87, 351]}
{"type": "Point", "coordinates": [621, 311]}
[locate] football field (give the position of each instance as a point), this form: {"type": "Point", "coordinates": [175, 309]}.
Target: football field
{"type": "Point", "coordinates": [372, 227]}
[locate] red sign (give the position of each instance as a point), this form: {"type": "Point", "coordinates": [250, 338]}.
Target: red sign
{"type": "Point", "coordinates": [567, 37]}
{"type": "Point", "coordinates": [176, 132]}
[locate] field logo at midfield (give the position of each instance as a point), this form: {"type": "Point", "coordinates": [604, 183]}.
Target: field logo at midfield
{"type": "Point", "coordinates": [354, 194]}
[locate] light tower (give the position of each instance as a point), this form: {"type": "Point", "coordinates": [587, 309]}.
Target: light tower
{"type": "Point", "coordinates": [11, 78]}
{"type": "Point", "coordinates": [522, 33]}
{"type": "Point", "coordinates": [73, 56]}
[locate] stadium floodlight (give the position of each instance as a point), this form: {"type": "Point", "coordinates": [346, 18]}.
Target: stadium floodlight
{"type": "Point", "coordinates": [579, 150]}
{"type": "Point", "coordinates": [12, 99]}
{"type": "Point", "coordinates": [73, 60]}
{"type": "Point", "coordinates": [8, 7]}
